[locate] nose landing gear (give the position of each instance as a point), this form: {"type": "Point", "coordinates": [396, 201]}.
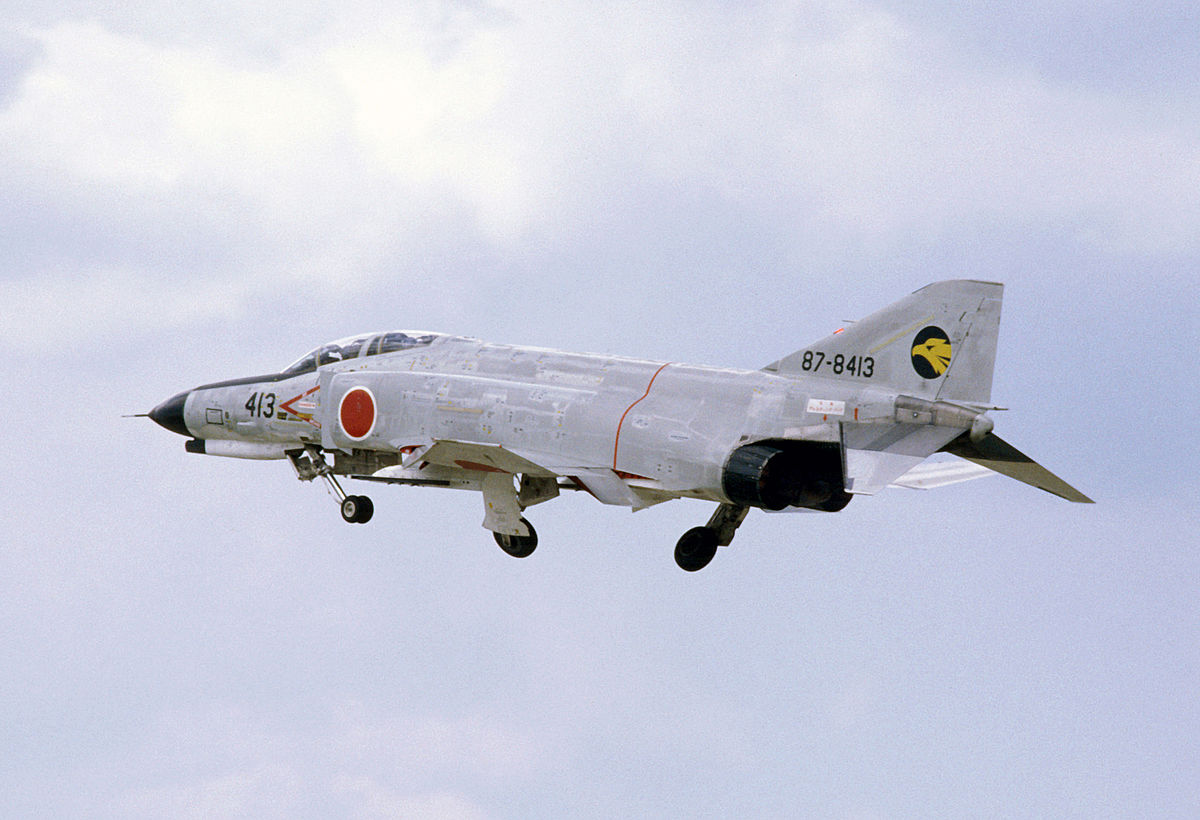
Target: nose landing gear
{"type": "Point", "coordinates": [357, 509]}
{"type": "Point", "coordinates": [309, 464]}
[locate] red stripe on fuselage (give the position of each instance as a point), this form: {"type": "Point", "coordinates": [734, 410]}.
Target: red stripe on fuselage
{"type": "Point", "coordinates": [621, 423]}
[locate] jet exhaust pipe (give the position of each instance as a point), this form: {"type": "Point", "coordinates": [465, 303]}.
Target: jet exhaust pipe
{"type": "Point", "coordinates": [774, 475]}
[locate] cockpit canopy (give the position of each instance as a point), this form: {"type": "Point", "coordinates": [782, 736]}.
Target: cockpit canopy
{"type": "Point", "coordinates": [357, 346]}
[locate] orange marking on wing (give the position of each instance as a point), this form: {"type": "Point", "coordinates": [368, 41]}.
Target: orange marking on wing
{"type": "Point", "coordinates": [475, 465]}
{"type": "Point", "coordinates": [583, 486]}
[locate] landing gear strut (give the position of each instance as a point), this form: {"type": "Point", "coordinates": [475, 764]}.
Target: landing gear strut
{"type": "Point", "coordinates": [309, 464]}
{"type": "Point", "coordinates": [699, 544]}
{"type": "Point", "coordinates": [504, 501]}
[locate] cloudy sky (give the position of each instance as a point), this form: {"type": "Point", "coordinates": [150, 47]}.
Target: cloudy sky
{"type": "Point", "coordinates": [190, 193]}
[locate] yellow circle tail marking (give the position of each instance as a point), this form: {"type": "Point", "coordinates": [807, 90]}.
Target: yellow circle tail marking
{"type": "Point", "coordinates": [931, 352]}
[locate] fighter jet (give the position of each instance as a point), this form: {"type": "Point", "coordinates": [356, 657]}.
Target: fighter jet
{"type": "Point", "coordinates": [846, 416]}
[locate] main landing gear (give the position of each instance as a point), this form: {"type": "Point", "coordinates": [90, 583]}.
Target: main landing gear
{"type": "Point", "coordinates": [504, 503]}
{"type": "Point", "coordinates": [699, 544]}
{"type": "Point", "coordinates": [309, 464]}
{"type": "Point", "coordinates": [518, 546]}
{"type": "Point", "coordinates": [505, 498]}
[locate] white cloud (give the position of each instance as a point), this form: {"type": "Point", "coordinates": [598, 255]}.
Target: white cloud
{"type": "Point", "coordinates": [356, 148]}
{"type": "Point", "coordinates": [110, 108]}
{"type": "Point", "coordinates": [155, 182]}
{"type": "Point", "coordinates": [432, 122]}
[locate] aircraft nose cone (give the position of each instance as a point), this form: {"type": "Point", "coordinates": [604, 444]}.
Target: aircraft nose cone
{"type": "Point", "coordinates": [169, 414]}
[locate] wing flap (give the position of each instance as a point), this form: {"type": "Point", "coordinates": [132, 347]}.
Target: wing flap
{"type": "Point", "coordinates": [607, 488]}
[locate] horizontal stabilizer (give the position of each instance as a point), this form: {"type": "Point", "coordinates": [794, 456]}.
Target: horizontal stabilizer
{"type": "Point", "coordinates": [997, 454]}
{"type": "Point", "coordinates": [940, 474]}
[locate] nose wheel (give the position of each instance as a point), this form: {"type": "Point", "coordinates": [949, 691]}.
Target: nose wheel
{"type": "Point", "coordinates": [357, 509]}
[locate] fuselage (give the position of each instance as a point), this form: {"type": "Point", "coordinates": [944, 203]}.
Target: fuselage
{"type": "Point", "coordinates": [673, 425]}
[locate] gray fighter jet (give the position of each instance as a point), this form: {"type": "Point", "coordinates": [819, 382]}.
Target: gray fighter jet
{"type": "Point", "coordinates": [851, 414]}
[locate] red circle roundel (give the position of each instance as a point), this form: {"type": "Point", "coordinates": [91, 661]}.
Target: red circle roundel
{"type": "Point", "coordinates": [357, 413]}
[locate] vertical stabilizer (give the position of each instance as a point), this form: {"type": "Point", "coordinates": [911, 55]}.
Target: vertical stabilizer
{"type": "Point", "coordinates": [938, 343]}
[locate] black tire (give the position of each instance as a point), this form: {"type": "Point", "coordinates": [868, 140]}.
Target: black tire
{"type": "Point", "coordinates": [366, 509]}
{"type": "Point", "coordinates": [518, 546]}
{"type": "Point", "coordinates": [357, 509]}
{"type": "Point", "coordinates": [696, 548]}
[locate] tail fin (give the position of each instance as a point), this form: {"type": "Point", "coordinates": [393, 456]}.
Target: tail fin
{"type": "Point", "coordinates": [938, 343]}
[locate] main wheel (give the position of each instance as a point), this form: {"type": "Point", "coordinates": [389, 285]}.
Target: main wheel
{"type": "Point", "coordinates": [357, 509]}
{"type": "Point", "coordinates": [696, 548]}
{"type": "Point", "coordinates": [518, 546]}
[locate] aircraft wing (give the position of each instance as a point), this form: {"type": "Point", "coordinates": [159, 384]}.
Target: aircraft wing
{"type": "Point", "coordinates": [488, 458]}
{"type": "Point", "coordinates": [997, 454]}
{"type": "Point", "coordinates": [601, 482]}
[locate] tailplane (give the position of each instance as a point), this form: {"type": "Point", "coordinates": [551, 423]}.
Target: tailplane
{"type": "Point", "coordinates": [996, 454]}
